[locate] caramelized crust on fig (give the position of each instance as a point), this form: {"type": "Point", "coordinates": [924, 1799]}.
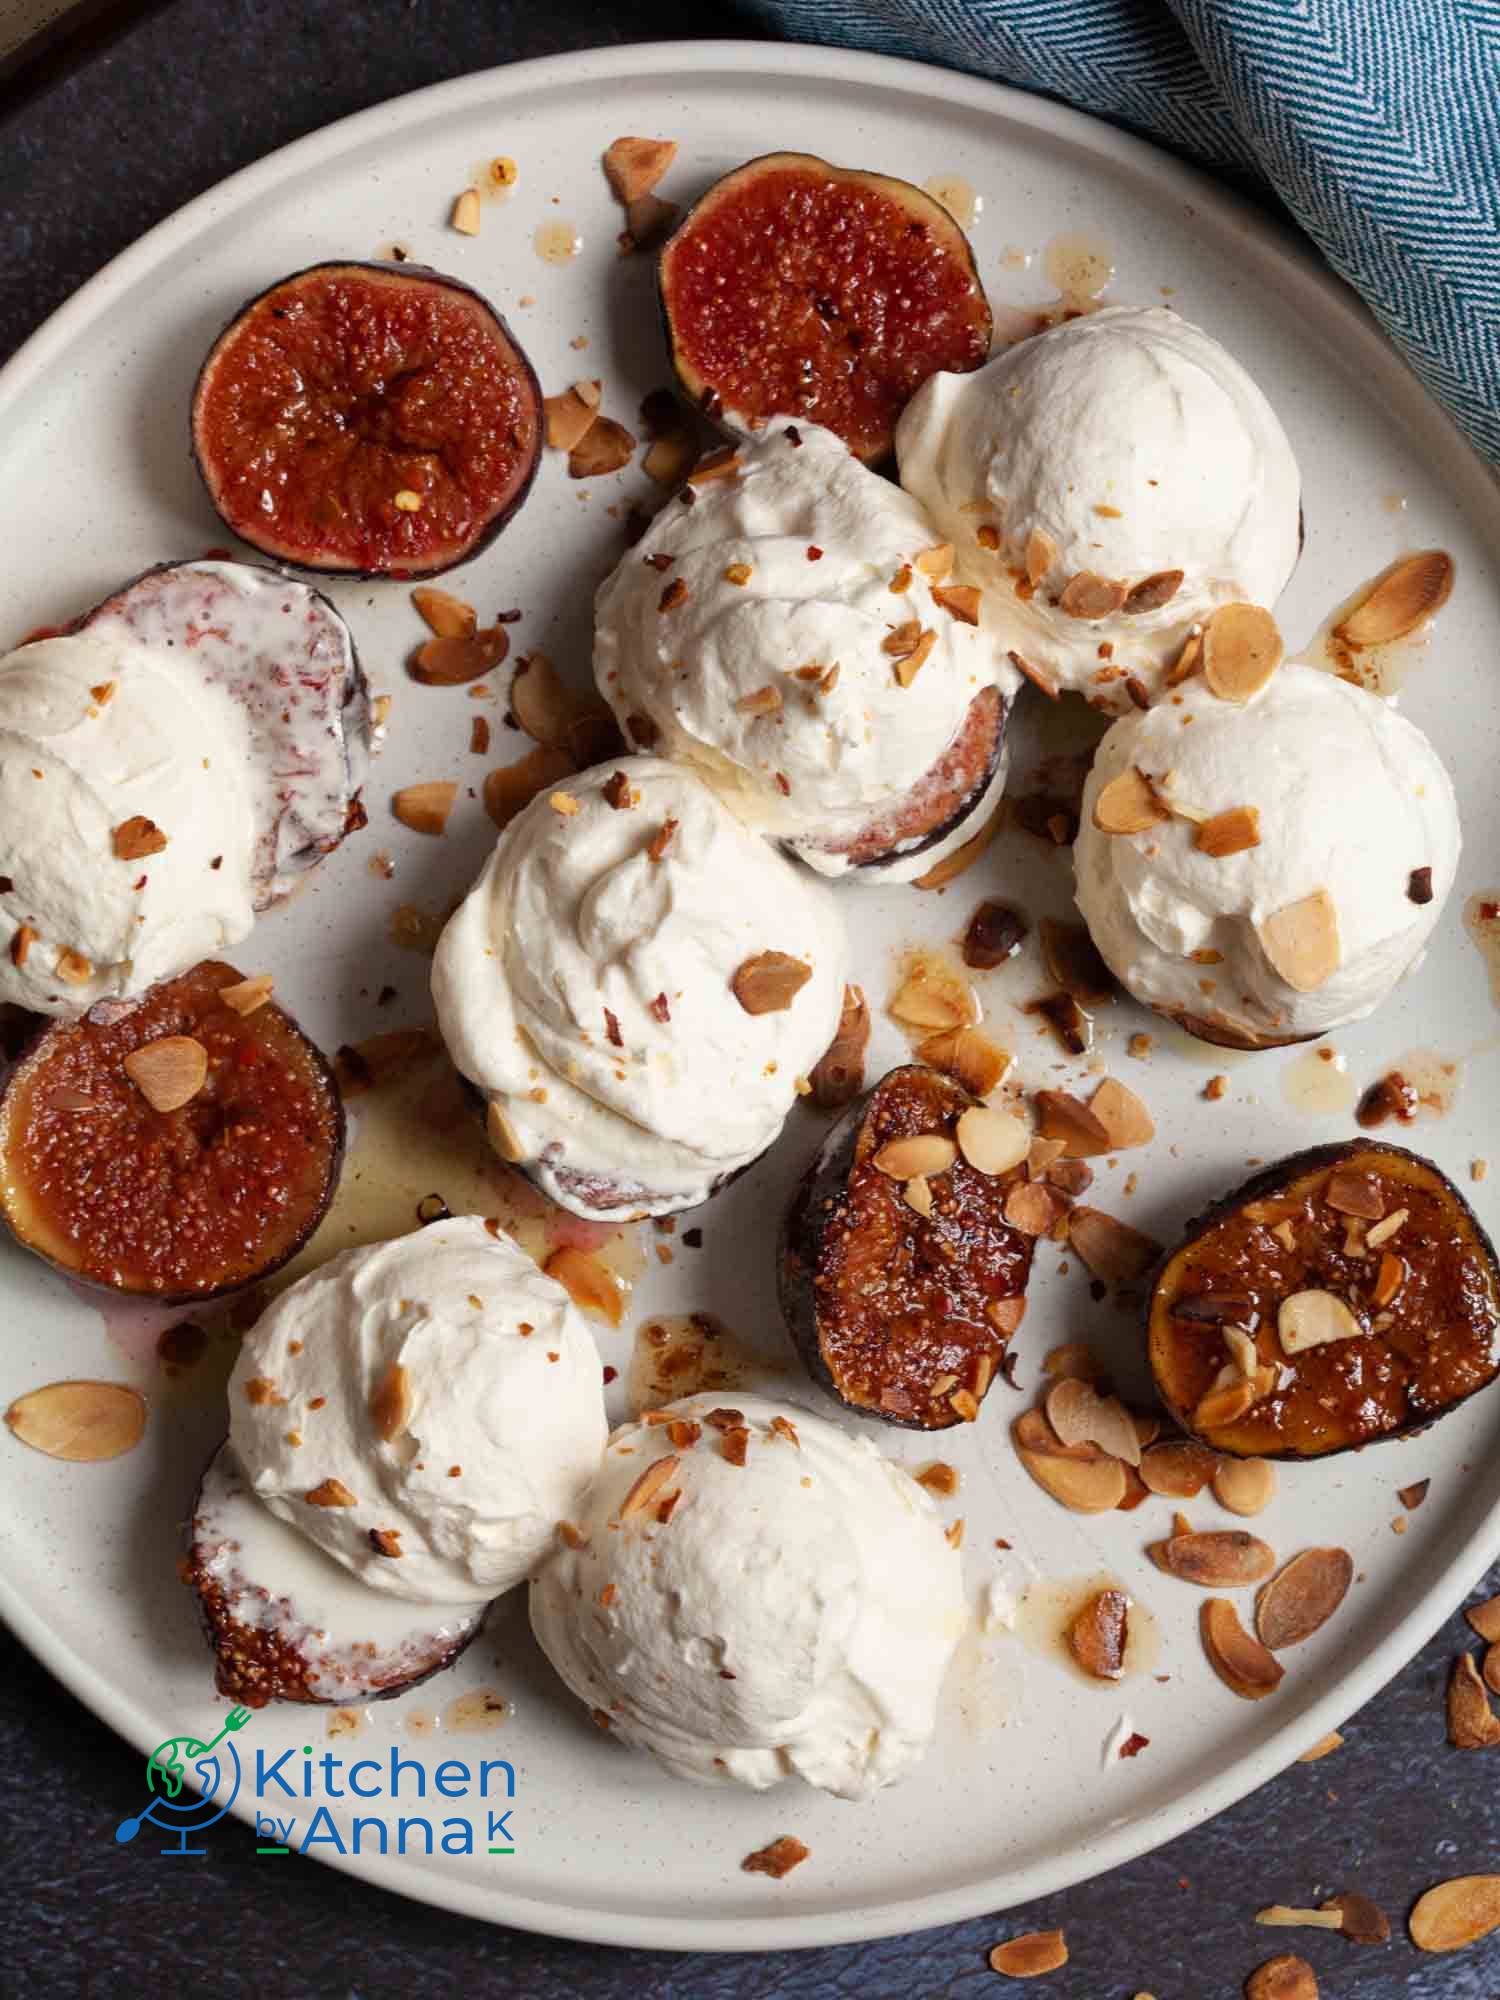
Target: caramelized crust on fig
{"type": "Point", "coordinates": [899, 1314]}
{"type": "Point", "coordinates": [799, 289]}
{"type": "Point", "coordinates": [177, 1204]}
{"type": "Point", "coordinates": [1367, 1286]}
{"type": "Point", "coordinates": [367, 420]}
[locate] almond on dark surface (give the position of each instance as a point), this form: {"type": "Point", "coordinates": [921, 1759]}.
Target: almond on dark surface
{"type": "Point", "coordinates": [1345, 1295]}
{"type": "Point", "coordinates": [367, 420]}
{"type": "Point", "coordinates": [902, 1282]}
{"type": "Point", "coordinates": [182, 1203]}
{"type": "Point", "coordinates": [798, 289]}
{"type": "Point", "coordinates": [288, 1623]}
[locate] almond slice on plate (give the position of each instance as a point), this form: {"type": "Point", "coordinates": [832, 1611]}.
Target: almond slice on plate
{"type": "Point", "coordinates": [1230, 832]}
{"type": "Point", "coordinates": [1284, 1978]}
{"type": "Point", "coordinates": [968, 1056]}
{"type": "Point", "coordinates": [1122, 1114]}
{"type": "Point", "coordinates": [463, 658]}
{"type": "Point", "coordinates": [1084, 1482]}
{"type": "Point", "coordinates": [1069, 1120]}
{"type": "Point", "coordinates": [1485, 1619]}
{"type": "Point", "coordinates": [1240, 1660]}
{"type": "Point", "coordinates": [445, 616]}
{"type": "Point", "coordinates": [604, 447]}
{"type": "Point", "coordinates": [1245, 1486]}
{"type": "Point", "coordinates": [425, 808]}
{"type": "Point", "coordinates": [1303, 1597]}
{"type": "Point", "coordinates": [991, 1140]}
{"type": "Point", "coordinates": [1128, 804]}
{"type": "Point", "coordinates": [769, 982]}
{"type": "Point", "coordinates": [933, 998]}
{"type": "Point", "coordinates": [1112, 1250]}
{"type": "Point", "coordinates": [168, 1072]}
{"type": "Point", "coordinates": [1315, 1319]}
{"type": "Point", "coordinates": [921, 1155]}
{"type": "Point", "coordinates": [245, 996]}
{"type": "Point", "coordinates": [1078, 1414]}
{"type": "Point", "coordinates": [634, 166]}
{"type": "Point", "coordinates": [1220, 1559]}
{"type": "Point", "coordinates": [571, 414]}
{"type": "Point", "coordinates": [1179, 1469]}
{"type": "Point", "coordinates": [1098, 1636]}
{"type": "Point", "coordinates": [133, 839]}
{"type": "Point", "coordinates": [1089, 596]}
{"type": "Point", "coordinates": [588, 1282]}
{"type": "Point", "coordinates": [1472, 1722]}
{"type": "Point", "coordinates": [1403, 597]}
{"type": "Point", "coordinates": [1241, 650]}
{"type": "Point", "coordinates": [1028, 1957]}
{"type": "Point", "coordinates": [1302, 941]}
{"type": "Point", "coordinates": [511, 787]}
{"type": "Point", "coordinates": [1456, 1913]}
{"type": "Point", "coordinates": [83, 1422]}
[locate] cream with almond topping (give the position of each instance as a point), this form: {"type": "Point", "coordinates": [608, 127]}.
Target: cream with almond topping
{"type": "Point", "coordinates": [1283, 860]}
{"type": "Point", "coordinates": [1107, 483]}
{"type": "Point", "coordinates": [636, 983]}
{"type": "Point", "coordinates": [791, 635]}
{"type": "Point", "coordinates": [754, 1594]}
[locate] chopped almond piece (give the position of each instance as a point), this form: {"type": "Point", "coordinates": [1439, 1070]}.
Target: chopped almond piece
{"type": "Point", "coordinates": [244, 996]}
{"type": "Point", "coordinates": [764, 701]}
{"type": "Point", "coordinates": [1324, 1747]}
{"type": "Point", "coordinates": [1152, 592]}
{"type": "Point", "coordinates": [769, 982]}
{"type": "Point", "coordinates": [1125, 1119]}
{"type": "Point", "coordinates": [1041, 554]}
{"type": "Point", "coordinates": [939, 1478]}
{"type": "Point", "coordinates": [961, 600]}
{"type": "Point", "coordinates": [1229, 832]}
{"type": "Point", "coordinates": [331, 1493]}
{"type": "Point", "coordinates": [1029, 1956]}
{"type": "Point", "coordinates": [634, 166]}
{"type": "Point", "coordinates": [1038, 676]}
{"type": "Point", "coordinates": [72, 967]}
{"type": "Point", "coordinates": [937, 562]}
{"type": "Point", "coordinates": [933, 998]}
{"type": "Point", "coordinates": [777, 1860]}
{"type": "Point", "coordinates": [1472, 1723]}
{"type": "Point", "coordinates": [1031, 1208]}
{"type": "Point", "coordinates": [909, 664]}
{"type": "Point", "coordinates": [571, 415]}
{"type": "Point", "coordinates": [648, 1486]}
{"type": "Point", "coordinates": [968, 1056]}
{"type": "Point", "coordinates": [922, 1154]}
{"type": "Point", "coordinates": [465, 215]}
{"type": "Point", "coordinates": [1485, 1619]}
{"type": "Point", "coordinates": [133, 839]}
{"type": "Point", "coordinates": [604, 447]}
{"type": "Point", "coordinates": [445, 616]}
{"type": "Point", "coordinates": [168, 1072]}
{"type": "Point", "coordinates": [648, 222]}
{"type": "Point", "coordinates": [392, 1402]}
{"type": "Point", "coordinates": [1098, 1636]}
{"type": "Point", "coordinates": [425, 808]}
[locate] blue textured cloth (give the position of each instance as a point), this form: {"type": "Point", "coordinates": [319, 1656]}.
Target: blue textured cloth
{"type": "Point", "coordinates": [1376, 122]}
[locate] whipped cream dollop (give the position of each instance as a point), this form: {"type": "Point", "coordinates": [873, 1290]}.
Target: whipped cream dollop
{"type": "Point", "coordinates": [750, 635]}
{"type": "Point", "coordinates": [1109, 483]}
{"type": "Point", "coordinates": [1352, 803]}
{"type": "Point", "coordinates": [594, 985]}
{"type": "Point", "coordinates": [791, 1614]}
{"type": "Point", "coordinates": [425, 1410]}
{"type": "Point", "coordinates": [100, 736]}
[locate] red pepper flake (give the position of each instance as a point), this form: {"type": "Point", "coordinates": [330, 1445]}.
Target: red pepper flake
{"type": "Point", "coordinates": [781, 1857]}
{"type": "Point", "coordinates": [660, 1011]}
{"type": "Point", "coordinates": [659, 562]}
{"type": "Point", "coordinates": [735, 1445]}
{"type": "Point", "coordinates": [675, 593]}
{"type": "Point", "coordinates": [814, 553]}
{"type": "Point", "coordinates": [610, 1375]}
{"type": "Point", "coordinates": [1134, 1745]}
{"type": "Point", "coordinates": [612, 1029]}
{"type": "Point", "coordinates": [783, 784]}
{"type": "Point", "coordinates": [794, 436]}
{"type": "Point", "coordinates": [479, 735]}
{"type": "Point", "coordinates": [662, 839]}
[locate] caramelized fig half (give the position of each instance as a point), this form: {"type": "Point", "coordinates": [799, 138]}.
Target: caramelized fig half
{"type": "Point", "coordinates": [1346, 1295]}
{"type": "Point", "coordinates": [901, 1281]}
{"type": "Point", "coordinates": [367, 420]}
{"type": "Point", "coordinates": [799, 289]}
{"type": "Point", "coordinates": [174, 1146]}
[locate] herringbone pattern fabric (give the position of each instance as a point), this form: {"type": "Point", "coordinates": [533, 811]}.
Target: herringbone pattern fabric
{"type": "Point", "coordinates": [1376, 122]}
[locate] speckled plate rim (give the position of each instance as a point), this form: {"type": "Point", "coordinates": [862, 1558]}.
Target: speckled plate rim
{"type": "Point", "coordinates": [1329, 309]}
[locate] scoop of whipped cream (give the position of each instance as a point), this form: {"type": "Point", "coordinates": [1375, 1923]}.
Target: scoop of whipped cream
{"type": "Point", "coordinates": [1109, 483]}
{"type": "Point", "coordinates": [126, 826]}
{"type": "Point", "coordinates": [755, 635]}
{"type": "Point", "coordinates": [1351, 803]}
{"type": "Point", "coordinates": [588, 985]}
{"type": "Point", "coordinates": [792, 1610]}
{"type": "Point", "coordinates": [425, 1410]}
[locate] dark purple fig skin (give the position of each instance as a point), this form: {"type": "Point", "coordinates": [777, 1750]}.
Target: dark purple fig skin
{"type": "Point", "coordinates": [478, 541]}
{"type": "Point", "coordinates": [819, 1206]}
{"type": "Point", "coordinates": [1266, 1185]}
{"type": "Point", "coordinates": [961, 814]}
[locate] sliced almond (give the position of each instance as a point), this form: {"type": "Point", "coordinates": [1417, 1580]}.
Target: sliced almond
{"type": "Point", "coordinates": [1383, 1231]}
{"type": "Point", "coordinates": [969, 1057]}
{"type": "Point", "coordinates": [838, 1076]}
{"type": "Point", "coordinates": [649, 1485]}
{"type": "Point", "coordinates": [1239, 1659]}
{"type": "Point", "coordinates": [1245, 1486]}
{"type": "Point", "coordinates": [939, 1478]}
{"type": "Point", "coordinates": [992, 1141]}
{"type": "Point", "coordinates": [1485, 1619]}
{"type": "Point", "coordinates": [1089, 596]}
{"type": "Point", "coordinates": [1123, 1116]}
{"type": "Point", "coordinates": [922, 1155]}
{"type": "Point", "coordinates": [1041, 554]}
{"type": "Point", "coordinates": [778, 1859]}
{"type": "Point", "coordinates": [445, 616]}
{"type": "Point", "coordinates": [425, 808]}
{"type": "Point", "coordinates": [1314, 1319]}
{"type": "Point", "coordinates": [392, 1402]}
{"type": "Point", "coordinates": [1152, 592]}
{"type": "Point", "coordinates": [588, 1282]}
{"type": "Point", "coordinates": [1302, 941]}
{"type": "Point", "coordinates": [1230, 832]}
{"type": "Point", "coordinates": [1241, 650]}
{"type": "Point", "coordinates": [455, 662]}
{"type": "Point", "coordinates": [1188, 660]}
{"type": "Point", "coordinates": [1221, 1559]}
{"type": "Point", "coordinates": [83, 1422]}
{"type": "Point", "coordinates": [1112, 1250]}
{"type": "Point", "coordinates": [959, 600]}
{"type": "Point", "coordinates": [1231, 1397]}
{"type": "Point", "coordinates": [1403, 597]}
{"type": "Point", "coordinates": [1286, 1917]}
{"type": "Point", "coordinates": [1284, 1978]}
{"type": "Point", "coordinates": [1411, 1497]}
{"type": "Point", "coordinates": [1072, 958]}
{"type": "Point", "coordinates": [1128, 804]}
{"type": "Point", "coordinates": [1179, 1469]}
{"type": "Point", "coordinates": [1472, 1722]}
{"type": "Point", "coordinates": [1078, 1414]}
{"type": "Point", "coordinates": [1061, 1116]}
{"type": "Point", "coordinates": [769, 982]}
{"type": "Point", "coordinates": [670, 458]}
{"type": "Point", "coordinates": [1303, 1597]}
{"type": "Point", "coordinates": [763, 701]}
{"type": "Point", "coordinates": [543, 706]}
{"type": "Point", "coordinates": [1032, 1208]}
{"type": "Point", "coordinates": [1040, 677]}
{"type": "Point", "coordinates": [937, 562]}
{"type": "Point", "coordinates": [1097, 1637]}
{"type": "Point", "coordinates": [1456, 1913]}
{"type": "Point", "coordinates": [133, 839]}
{"type": "Point", "coordinates": [933, 998]}
{"type": "Point", "coordinates": [1085, 1484]}
{"type": "Point", "coordinates": [570, 415]}
{"type": "Point", "coordinates": [1324, 1747]}
{"type": "Point", "coordinates": [1355, 1194]}
{"type": "Point", "coordinates": [330, 1493]}
{"type": "Point", "coordinates": [634, 166]}
{"type": "Point", "coordinates": [909, 664]}
{"type": "Point", "coordinates": [465, 215]}
{"type": "Point", "coordinates": [1029, 1956]}
{"type": "Point", "coordinates": [917, 1194]}
{"type": "Point", "coordinates": [72, 967]}
{"type": "Point", "coordinates": [511, 787]}
{"type": "Point", "coordinates": [168, 1072]}
{"type": "Point", "coordinates": [604, 447]}
{"type": "Point", "coordinates": [1075, 1360]}
{"type": "Point", "coordinates": [245, 996]}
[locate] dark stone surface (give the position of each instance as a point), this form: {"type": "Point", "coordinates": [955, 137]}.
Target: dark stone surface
{"type": "Point", "coordinates": [125, 133]}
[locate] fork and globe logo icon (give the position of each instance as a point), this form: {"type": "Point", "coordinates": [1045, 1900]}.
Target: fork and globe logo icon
{"type": "Point", "coordinates": [193, 1784]}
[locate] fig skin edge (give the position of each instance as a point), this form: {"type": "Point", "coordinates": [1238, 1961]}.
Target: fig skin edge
{"type": "Point", "coordinates": [391, 274]}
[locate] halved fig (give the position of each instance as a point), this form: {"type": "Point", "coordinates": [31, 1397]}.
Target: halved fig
{"type": "Point", "coordinates": [900, 1309]}
{"type": "Point", "coordinates": [288, 1623]}
{"type": "Point", "coordinates": [799, 289]}
{"type": "Point", "coordinates": [284, 654]}
{"type": "Point", "coordinates": [176, 1203]}
{"type": "Point", "coordinates": [367, 420]}
{"type": "Point", "coordinates": [1345, 1295]}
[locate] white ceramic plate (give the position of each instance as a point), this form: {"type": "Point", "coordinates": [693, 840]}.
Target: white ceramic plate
{"type": "Point", "coordinates": [1014, 1800]}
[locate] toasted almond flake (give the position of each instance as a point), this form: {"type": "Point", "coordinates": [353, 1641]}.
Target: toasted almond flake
{"type": "Point", "coordinates": [1084, 1482]}
{"type": "Point", "coordinates": [425, 808]}
{"type": "Point", "coordinates": [937, 562]}
{"type": "Point", "coordinates": [570, 415]}
{"type": "Point", "coordinates": [1403, 597]}
{"type": "Point", "coordinates": [81, 1421]}
{"type": "Point", "coordinates": [634, 166]}
{"type": "Point", "coordinates": [908, 666]}
{"type": "Point", "coordinates": [1303, 1597]}
{"type": "Point", "coordinates": [1384, 1231]}
{"type": "Point", "coordinates": [1472, 1722]}
{"type": "Point", "coordinates": [407, 500]}
{"type": "Point", "coordinates": [1355, 1194]}
{"type": "Point", "coordinates": [1360, 1920]}
{"type": "Point", "coordinates": [1284, 1917]}
{"type": "Point", "coordinates": [933, 998]}
{"type": "Point", "coordinates": [763, 701]}
{"type": "Point", "coordinates": [133, 839]}
{"type": "Point", "coordinates": [1075, 1360]}
{"type": "Point", "coordinates": [466, 215]}
{"type": "Point", "coordinates": [1098, 1635]}
{"type": "Point", "coordinates": [992, 1141]}
{"type": "Point", "coordinates": [511, 787]}
{"type": "Point", "coordinates": [1411, 1497]}
{"type": "Point", "coordinates": [1128, 804]}
{"type": "Point", "coordinates": [244, 996]}
{"type": "Point", "coordinates": [588, 1282]}
{"type": "Point", "coordinates": [1124, 1117]}
{"type": "Point", "coordinates": [969, 1057]}
{"type": "Point", "coordinates": [1241, 650]}
{"type": "Point", "coordinates": [1221, 1559]}
{"type": "Point", "coordinates": [1029, 1956]}
{"type": "Point", "coordinates": [953, 1534]}
{"type": "Point", "coordinates": [72, 967]}
{"type": "Point", "coordinates": [604, 447]}
{"type": "Point", "coordinates": [20, 945]}
{"type": "Point", "coordinates": [738, 573]}
{"type": "Point", "coordinates": [1284, 1978]}
{"type": "Point", "coordinates": [1088, 596]}
{"type": "Point", "coordinates": [455, 662]}
{"type": "Point", "coordinates": [1229, 1399]}
{"type": "Point", "coordinates": [648, 222]}
{"type": "Point", "coordinates": [649, 1485]}
{"type": "Point", "coordinates": [1389, 1279]}
{"type": "Point", "coordinates": [769, 982]}
{"type": "Point", "coordinates": [917, 1194]}
{"type": "Point", "coordinates": [922, 1154]}
{"type": "Point", "coordinates": [1179, 1469]}
{"type": "Point", "coordinates": [669, 458]}
{"type": "Point", "coordinates": [1485, 1620]}
{"type": "Point", "coordinates": [1032, 1208]}
{"type": "Point", "coordinates": [563, 803]}
{"type": "Point", "coordinates": [1240, 1660]}
{"type": "Point", "coordinates": [1324, 1747]}
{"type": "Point", "coordinates": [783, 1427]}
{"type": "Point", "coordinates": [1078, 1414]}
{"type": "Point", "coordinates": [1068, 1119]}
{"type": "Point", "coordinates": [902, 639]}
{"type": "Point", "coordinates": [721, 464]}
{"type": "Point", "coordinates": [1243, 1351]}
{"type": "Point", "coordinates": [1244, 1486]}
{"type": "Point", "coordinates": [1456, 1913]}
{"type": "Point", "coordinates": [1229, 832]}
{"type": "Point", "coordinates": [570, 1536]}
{"type": "Point", "coordinates": [330, 1493]}
{"type": "Point", "coordinates": [778, 1859]}
{"type": "Point", "coordinates": [939, 1478]}
{"type": "Point", "coordinates": [392, 1402]}
{"type": "Point", "coordinates": [1041, 554]}
{"type": "Point", "coordinates": [1313, 1319]}
{"type": "Point", "coordinates": [1039, 677]}
{"type": "Point", "coordinates": [1152, 592]}
{"type": "Point", "coordinates": [1005, 1315]}
{"type": "Point", "coordinates": [1112, 1250]}
{"type": "Point", "coordinates": [960, 600]}
{"type": "Point", "coordinates": [445, 616]}
{"type": "Point", "coordinates": [168, 1072]}
{"type": "Point", "coordinates": [1188, 660]}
